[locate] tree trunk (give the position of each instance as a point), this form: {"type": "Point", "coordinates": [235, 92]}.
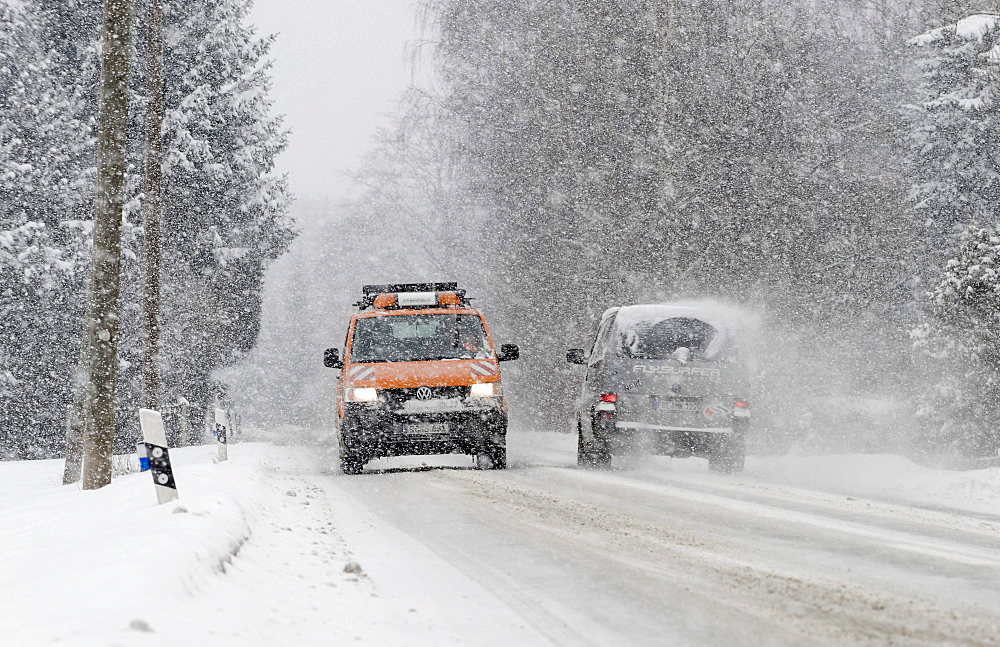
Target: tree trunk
{"type": "Point", "coordinates": [153, 206]}
{"type": "Point", "coordinates": [102, 329]}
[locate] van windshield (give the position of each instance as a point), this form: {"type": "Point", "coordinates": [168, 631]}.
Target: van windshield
{"type": "Point", "coordinates": [419, 337]}
{"type": "Point", "coordinates": [666, 338]}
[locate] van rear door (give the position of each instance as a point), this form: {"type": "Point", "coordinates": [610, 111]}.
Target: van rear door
{"type": "Point", "coordinates": [679, 373]}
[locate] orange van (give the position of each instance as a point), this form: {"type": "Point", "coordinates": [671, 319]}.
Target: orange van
{"type": "Point", "coordinates": [419, 375]}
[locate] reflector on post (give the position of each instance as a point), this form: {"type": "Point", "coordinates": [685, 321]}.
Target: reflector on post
{"type": "Point", "coordinates": [159, 458]}
{"type": "Point", "coordinates": [221, 433]}
{"type": "Point", "coordinates": [140, 452]}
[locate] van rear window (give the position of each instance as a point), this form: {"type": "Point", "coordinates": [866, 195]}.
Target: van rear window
{"type": "Point", "coordinates": [419, 337]}
{"type": "Point", "coordinates": [661, 339]}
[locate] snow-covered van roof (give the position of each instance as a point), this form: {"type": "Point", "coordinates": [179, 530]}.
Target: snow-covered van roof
{"type": "Point", "coordinates": [731, 323]}
{"type": "Point", "coordinates": [718, 315]}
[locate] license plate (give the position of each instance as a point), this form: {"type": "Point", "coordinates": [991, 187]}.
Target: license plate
{"type": "Point", "coordinates": [426, 428]}
{"type": "Point", "coordinates": [675, 404]}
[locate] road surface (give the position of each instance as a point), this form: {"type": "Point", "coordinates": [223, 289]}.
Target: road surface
{"type": "Point", "coordinates": [662, 552]}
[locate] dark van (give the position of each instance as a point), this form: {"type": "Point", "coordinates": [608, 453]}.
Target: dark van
{"type": "Point", "coordinates": [672, 379]}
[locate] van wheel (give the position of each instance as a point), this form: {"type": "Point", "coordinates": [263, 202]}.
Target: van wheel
{"type": "Point", "coordinates": [597, 457]}
{"type": "Point", "coordinates": [499, 457]}
{"type": "Point", "coordinates": [351, 464]}
{"type": "Point", "coordinates": [729, 454]}
{"type": "Point", "coordinates": [352, 455]}
{"type": "Point", "coordinates": [494, 458]}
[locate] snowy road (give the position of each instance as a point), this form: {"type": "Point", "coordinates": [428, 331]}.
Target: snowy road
{"type": "Point", "coordinates": [663, 552]}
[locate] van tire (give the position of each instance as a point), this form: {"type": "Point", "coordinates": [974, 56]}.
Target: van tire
{"type": "Point", "coordinates": [499, 457]}
{"type": "Point", "coordinates": [351, 465]}
{"type": "Point", "coordinates": [352, 456]}
{"type": "Point", "coordinates": [493, 457]}
{"type": "Point", "coordinates": [600, 457]}
{"type": "Point", "coordinates": [350, 461]}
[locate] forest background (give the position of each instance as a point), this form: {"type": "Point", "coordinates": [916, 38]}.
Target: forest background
{"type": "Point", "coordinates": [829, 165]}
{"type": "Point", "coordinates": [225, 211]}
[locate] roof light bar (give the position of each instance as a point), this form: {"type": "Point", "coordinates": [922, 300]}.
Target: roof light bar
{"type": "Point", "coordinates": [404, 299]}
{"type": "Point", "coordinates": [411, 295]}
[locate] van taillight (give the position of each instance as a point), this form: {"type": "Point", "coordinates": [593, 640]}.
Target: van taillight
{"type": "Point", "coordinates": [742, 404]}
{"type": "Point", "coordinates": [609, 397]}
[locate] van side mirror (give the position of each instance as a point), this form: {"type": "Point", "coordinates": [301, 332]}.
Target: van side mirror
{"type": "Point", "coordinates": [576, 356]}
{"type": "Point", "coordinates": [331, 358]}
{"type": "Point", "coordinates": [508, 352]}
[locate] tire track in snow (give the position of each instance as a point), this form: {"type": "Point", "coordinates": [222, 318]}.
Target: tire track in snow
{"type": "Point", "coordinates": [725, 573]}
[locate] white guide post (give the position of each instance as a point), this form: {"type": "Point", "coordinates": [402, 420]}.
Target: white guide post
{"type": "Point", "coordinates": [185, 423]}
{"type": "Point", "coordinates": [221, 431]}
{"type": "Point", "coordinates": [159, 458]}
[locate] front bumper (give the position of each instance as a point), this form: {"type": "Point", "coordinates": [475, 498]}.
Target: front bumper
{"type": "Point", "coordinates": [373, 432]}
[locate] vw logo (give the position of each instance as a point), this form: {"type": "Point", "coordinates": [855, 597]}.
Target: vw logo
{"type": "Point", "coordinates": [423, 393]}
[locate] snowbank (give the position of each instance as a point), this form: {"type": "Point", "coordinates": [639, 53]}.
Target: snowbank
{"type": "Point", "coordinates": [77, 565]}
{"type": "Point", "coordinates": [885, 476]}
{"type": "Point", "coordinates": [263, 549]}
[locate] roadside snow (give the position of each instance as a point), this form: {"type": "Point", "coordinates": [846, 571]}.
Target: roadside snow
{"type": "Point", "coordinates": [253, 553]}
{"type": "Point", "coordinates": [885, 476]}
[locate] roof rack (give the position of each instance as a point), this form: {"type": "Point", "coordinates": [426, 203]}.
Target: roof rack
{"type": "Point", "coordinates": [449, 286]}
{"type": "Point", "coordinates": [372, 291]}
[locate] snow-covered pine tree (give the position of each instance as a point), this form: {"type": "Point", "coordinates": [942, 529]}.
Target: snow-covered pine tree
{"type": "Point", "coordinates": [954, 139]}
{"type": "Point", "coordinates": [960, 345]}
{"type": "Point", "coordinates": [229, 214]}
{"type": "Point", "coordinates": [955, 134]}
{"type": "Point", "coordinates": [226, 211]}
{"type": "Point", "coordinates": [44, 239]}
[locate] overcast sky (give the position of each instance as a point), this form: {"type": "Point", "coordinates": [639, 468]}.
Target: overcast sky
{"type": "Point", "coordinates": [339, 66]}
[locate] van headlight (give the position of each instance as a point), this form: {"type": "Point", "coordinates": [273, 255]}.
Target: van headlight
{"type": "Point", "coordinates": [361, 394]}
{"type": "Point", "coordinates": [485, 390]}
